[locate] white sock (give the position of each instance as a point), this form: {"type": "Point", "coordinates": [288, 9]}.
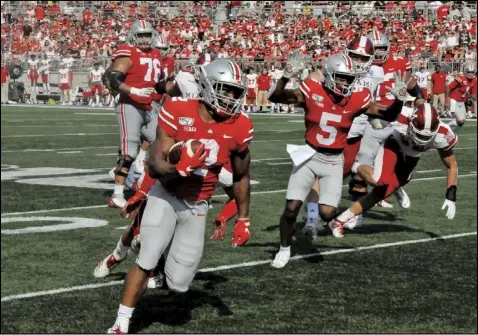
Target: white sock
{"type": "Point", "coordinates": [120, 251]}
{"type": "Point", "coordinates": [285, 250]}
{"type": "Point", "coordinates": [124, 315]}
{"type": "Point", "coordinates": [119, 189]}
{"type": "Point", "coordinates": [345, 216]}
{"type": "Point", "coordinates": [141, 155]}
{"type": "Point", "coordinates": [312, 213]}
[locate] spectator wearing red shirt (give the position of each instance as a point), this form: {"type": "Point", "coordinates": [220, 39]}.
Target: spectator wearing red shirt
{"type": "Point", "coordinates": [442, 12]}
{"type": "Point", "coordinates": [263, 86]}
{"type": "Point", "coordinates": [87, 16]}
{"type": "Point", "coordinates": [39, 13]}
{"type": "Point", "coordinates": [5, 80]}
{"type": "Point", "coordinates": [438, 87]}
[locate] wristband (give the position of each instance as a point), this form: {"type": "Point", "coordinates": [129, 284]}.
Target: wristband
{"type": "Point", "coordinates": [134, 91]}
{"type": "Point", "coordinates": [451, 193]}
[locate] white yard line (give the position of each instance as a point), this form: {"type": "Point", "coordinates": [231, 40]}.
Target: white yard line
{"type": "Point", "coordinates": [214, 196]}
{"type": "Point", "coordinates": [242, 265]}
{"type": "Point", "coordinates": [69, 152]}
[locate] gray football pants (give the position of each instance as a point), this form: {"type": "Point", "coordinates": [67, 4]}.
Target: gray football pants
{"type": "Point", "coordinates": [329, 168]}
{"type": "Point", "coordinates": [132, 123]}
{"type": "Point", "coordinates": [371, 141]}
{"type": "Point", "coordinates": [169, 221]}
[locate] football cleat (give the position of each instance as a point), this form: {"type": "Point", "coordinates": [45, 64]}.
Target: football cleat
{"type": "Point", "coordinates": [117, 200]}
{"type": "Point", "coordinates": [384, 204]}
{"type": "Point", "coordinates": [310, 232]}
{"type": "Point", "coordinates": [106, 265]}
{"type": "Point", "coordinates": [118, 328]}
{"type": "Point", "coordinates": [281, 259]}
{"type": "Point", "coordinates": [402, 198]}
{"type": "Point", "coordinates": [156, 281]}
{"type": "Point", "coordinates": [337, 228]}
{"type": "Point", "coordinates": [355, 222]}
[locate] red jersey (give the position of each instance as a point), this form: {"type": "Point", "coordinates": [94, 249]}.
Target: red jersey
{"type": "Point", "coordinates": [264, 82]}
{"type": "Point", "coordinates": [167, 65]}
{"type": "Point", "coordinates": [459, 88]}
{"type": "Point", "coordinates": [180, 119]}
{"type": "Point", "coordinates": [5, 74]}
{"type": "Point", "coordinates": [392, 65]}
{"type": "Point", "coordinates": [327, 123]}
{"type": "Point", "coordinates": [438, 82]}
{"type": "Point", "coordinates": [145, 71]}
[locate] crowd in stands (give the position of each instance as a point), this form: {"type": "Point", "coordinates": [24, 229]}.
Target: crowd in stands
{"type": "Point", "coordinates": [249, 31]}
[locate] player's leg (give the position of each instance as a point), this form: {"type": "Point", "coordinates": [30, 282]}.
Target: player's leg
{"type": "Point", "coordinates": [300, 182]}
{"type": "Point", "coordinates": [148, 132]}
{"type": "Point", "coordinates": [311, 212]}
{"type": "Point", "coordinates": [129, 121]}
{"type": "Point", "coordinates": [157, 229]}
{"type": "Point", "coordinates": [459, 111]}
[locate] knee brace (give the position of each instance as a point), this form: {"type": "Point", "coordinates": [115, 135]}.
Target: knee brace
{"type": "Point", "coordinates": [123, 162]}
{"type": "Point", "coordinates": [357, 184]}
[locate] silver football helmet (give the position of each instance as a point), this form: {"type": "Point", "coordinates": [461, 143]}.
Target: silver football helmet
{"type": "Point", "coordinates": [142, 34]}
{"type": "Point", "coordinates": [470, 70]}
{"type": "Point", "coordinates": [381, 45]}
{"type": "Point", "coordinates": [340, 74]}
{"type": "Point", "coordinates": [221, 85]}
{"type": "Point", "coordinates": [160, 43]}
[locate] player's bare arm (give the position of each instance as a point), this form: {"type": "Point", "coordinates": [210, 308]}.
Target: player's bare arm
{"type": "Point", "coordinates": [159, 167]}
{"type": "Point", "coordinates": [283, 96]}
{"type": "Point", "coordinates": [387, 113]}
{"type": "Point", "coordinates": [241, 163]}
{"type": "Point", "coordinates": [448, 159]}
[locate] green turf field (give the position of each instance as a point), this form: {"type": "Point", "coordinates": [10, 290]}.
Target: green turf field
{"type": "Point", "coordinates": [403, 271]}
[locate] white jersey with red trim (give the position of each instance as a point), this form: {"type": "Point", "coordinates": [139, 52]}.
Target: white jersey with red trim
{"type": "Point", "coordinates": [251, 80]}
{"type": "Point", "coordinates": [370, 80]}
{"type": "Point", "coordinates": [95, 75]}
{"type": "Point", "coordinates": [422, 78]}
{"type": "Point", "coordinates": [444, 140]}
{"type": "Point", "coordinates": [44, 66]}
{"type": "Point", "coordinates": [63, 74]}
{"type": "Point", "coordinates": [33, 65]}
{"type": "Point", "coordinates": [187, 83]}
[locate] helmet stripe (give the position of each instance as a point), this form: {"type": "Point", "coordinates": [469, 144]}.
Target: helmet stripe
{"type": "Point", "coordinates": [236, 72]}
{"type": "Point", "coordinates": [428, 117]}
{"type": "Point", "coordinates": [376, 35]}
{"type": "Point", "coordinates": [363, 42]}
{"type": "Point", "coordinates": [348, 63]}
{"type": "Point", "coordinates": [143, 25]}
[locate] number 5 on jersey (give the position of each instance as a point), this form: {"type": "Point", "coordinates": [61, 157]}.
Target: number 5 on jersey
{"type": "Point", "coordinates": [330, 130]}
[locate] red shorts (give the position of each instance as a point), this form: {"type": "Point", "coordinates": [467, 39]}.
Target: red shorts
{"type": "Point", "coordinates": [391, 167]}
{"type": "Point", "coordinates": [251, 93]}
{"type": "Point", "coordinates": [64, 86]}
{"type": "Point", "coordinates": [87, 94]}
{"type": "Point", "coordinates": [33, 75]}
{"type": "Point", "coordinates": [44, 78]}
{"type": "Point", "coordinates": [424, 92]}
{"type": "Point", "coordinates": [97, 88]}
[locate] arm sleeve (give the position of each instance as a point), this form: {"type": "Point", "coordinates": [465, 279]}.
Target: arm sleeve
{"type": "Point", "coordinates": [166, 118]}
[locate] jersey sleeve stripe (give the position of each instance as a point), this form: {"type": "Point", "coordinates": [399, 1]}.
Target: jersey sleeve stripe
{"type": "Point", "coordinates": [306, 87]}
{"type": "Point", "coordinates": [163, 111]}
{"type": "Point", "coordinates": [167, 122]}
{"type": "Point", "coordinates": [248, 139]}
{"type": "Point", "coordinates": [303, 91]}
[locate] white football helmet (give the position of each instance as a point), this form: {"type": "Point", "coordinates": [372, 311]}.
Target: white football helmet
{"type": "Point", "coordinates": [219, 80]}
{"type": "Point", "coordinates": [339, 66]}
{"type": "Point", "coordinates": [381, 45]}
{"type": "Point", "coordinates": [142, 34]}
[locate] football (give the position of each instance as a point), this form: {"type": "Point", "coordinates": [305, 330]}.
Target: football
{"type": "Point", "coordinates": [175, 152]}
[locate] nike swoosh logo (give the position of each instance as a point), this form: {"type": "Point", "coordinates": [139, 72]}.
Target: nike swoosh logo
{"type": "Point", "coordinates": [391, 69]}
{"type": "Point", "coordinates": [227, 136]}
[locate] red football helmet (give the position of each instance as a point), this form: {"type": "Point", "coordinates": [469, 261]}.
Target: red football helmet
{"type": "Point", "coordinates": [423, 125]}
{"type": "Point", "coordinates": [381, 45]}
{"type": "Point", "coordinates": [361, 51]}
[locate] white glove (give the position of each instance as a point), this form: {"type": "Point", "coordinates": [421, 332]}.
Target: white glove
{"type": "Point", "coordinates": [399, 89]}
{"type": "Point", "coordinates": [450, 209]}
{"type": "Point", "coordinates": [142, 92]}
{"type": "Point", "coordinates": [295, 64]}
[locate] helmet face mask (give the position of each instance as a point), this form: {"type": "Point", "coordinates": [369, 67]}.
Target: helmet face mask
{"type": "Point", "coordinates": [470, 70]}
{"type": "Point", "coordinates": [339, 75]}
{"type": "Point", "coordinates": [222, 87]}
{"type": "Point", "coordinates": [142, 34]}
{"type": "Point", "coordinates": [381, 54]}
{"type": "Point", "coordinates": [381, 45]}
